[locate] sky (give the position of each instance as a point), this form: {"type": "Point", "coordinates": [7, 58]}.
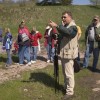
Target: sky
{"type": "Point", "coordinates": [81, 2]}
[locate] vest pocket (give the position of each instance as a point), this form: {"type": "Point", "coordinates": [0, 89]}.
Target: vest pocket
{"type": "Point", "coordinates": [68, 54]}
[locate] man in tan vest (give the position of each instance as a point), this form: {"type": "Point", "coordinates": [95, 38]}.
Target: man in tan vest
{"type": "Point", "coordinates": [68, 50]}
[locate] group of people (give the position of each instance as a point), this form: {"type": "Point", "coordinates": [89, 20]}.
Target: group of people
{"type": "Point", "coordinates": [68, 34]}
{"type": "Point", "coordinates": [27, 44]}
{"type": "Point", "coordinates": [27, 41]}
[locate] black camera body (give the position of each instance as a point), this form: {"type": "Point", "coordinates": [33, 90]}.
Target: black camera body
{"type": "Point", "coordinates": [55, 36]}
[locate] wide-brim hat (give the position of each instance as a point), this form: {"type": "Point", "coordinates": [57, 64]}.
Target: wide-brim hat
{"type": "Point", "coordinates": [96, 17]}
{"type": "Point", "coordinates": [48, 27]}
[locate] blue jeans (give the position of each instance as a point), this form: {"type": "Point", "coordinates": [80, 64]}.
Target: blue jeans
{"type": "Point", "coordinates": [89, 50]}
{"type": "Point", "coordinates": [34, 49]}
{"type": "Point", "coordinates": [9, 59]}
{"type": "Point", "coordinates": [31, 53]}
{"type": "Point", "coordinates": [24, 52]}
{"type": "Point", "coordinates": [50, 52]}
{"type": "Point", "coordinates": [27, 53]}
{"type": "Point", "coordinates": [95, 57]}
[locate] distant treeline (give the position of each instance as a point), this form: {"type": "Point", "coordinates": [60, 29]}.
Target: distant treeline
{"type": "Point", "coordinates": [64, 2]}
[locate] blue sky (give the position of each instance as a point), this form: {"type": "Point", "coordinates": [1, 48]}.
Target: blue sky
{"type": "Point", "coordinates": [81, 2]}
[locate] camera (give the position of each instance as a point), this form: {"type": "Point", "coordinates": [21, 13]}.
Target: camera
{"type": "Point", "coordinates": [55, 36]}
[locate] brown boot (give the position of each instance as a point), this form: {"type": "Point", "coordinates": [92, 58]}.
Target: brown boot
{"type": "Point", "coordinates": [67, 97]}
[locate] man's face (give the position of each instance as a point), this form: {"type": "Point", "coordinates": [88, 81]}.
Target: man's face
{"type": "Point", "coordinates": [66, 18]}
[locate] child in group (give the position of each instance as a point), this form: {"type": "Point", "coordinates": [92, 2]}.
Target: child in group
{"type": "Point", "coordinates": [7, 44]}
{"type": "Point", "coordinates": [50, 42]}
{"type": "Point", "coordinates": [34, 38]}
{"type": "Point", "coordinates": [15, 51]}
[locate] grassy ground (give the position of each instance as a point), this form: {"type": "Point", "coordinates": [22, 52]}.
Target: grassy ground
{"type": "Point", "coordinates": [3, 59]}
{"type": "Point", "coordinates": [39, 85]}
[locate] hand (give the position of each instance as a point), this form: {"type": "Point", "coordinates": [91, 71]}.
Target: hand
{"type": "Point", "coordinates": [55, 42]}
{"type": "Point", "coordinates": [46, 36]}
{"type": "Point", "coordinates": [63, 23]}
{"type": "Point", "coordinates": [53, 24]}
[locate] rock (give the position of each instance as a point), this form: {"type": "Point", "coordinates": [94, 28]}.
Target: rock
{"type": "Point", "coordinates": [25, 90]}
{"type": "Point", "coordinates": [98, 82]}
{"type": "Point", "coordinates": [96, 89]}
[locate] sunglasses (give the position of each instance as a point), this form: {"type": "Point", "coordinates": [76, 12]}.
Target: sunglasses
{"type": "Point", "coordinates": [63, 17]}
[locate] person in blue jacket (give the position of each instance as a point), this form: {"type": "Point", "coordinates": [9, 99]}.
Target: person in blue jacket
{"type": "Point", "coordinates": [7, 43]}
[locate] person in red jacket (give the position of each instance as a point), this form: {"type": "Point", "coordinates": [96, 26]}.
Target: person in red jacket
{"type": "Point", "coordinates": [34, 38]}
{"type": "Point", "coordinates": [24, 44]}
{"type": "Point", "coordinates": [49, 42]}
{"type": "Point", "coordinates": [15, 51]}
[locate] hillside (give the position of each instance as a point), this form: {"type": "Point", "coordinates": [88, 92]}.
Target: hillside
{"type": "Point", "coordinates": [39, 16]}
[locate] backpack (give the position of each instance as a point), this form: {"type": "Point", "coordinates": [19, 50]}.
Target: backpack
{"type": "Point", "coordinates": [76, 66]}
{"type": "Point", "coordinates": [24, 37]}
{"type": "Point", "coordinates": [8, 43]}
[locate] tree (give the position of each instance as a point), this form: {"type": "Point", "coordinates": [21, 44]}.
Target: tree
{"type": "Point", "coordinates": [95, 2]}
{"type": "Point", "coordinates": [66, 2]}
{"type": "Point", "coordinates": [63, 2]}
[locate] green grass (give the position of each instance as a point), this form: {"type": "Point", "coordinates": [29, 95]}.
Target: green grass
{"type": "Point", "coordinates": [40, 86]}
{"type": "Point", "coordinates": [3, 59]}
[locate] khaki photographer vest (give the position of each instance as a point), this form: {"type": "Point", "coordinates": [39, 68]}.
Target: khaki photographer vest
{"type": "Point", "coordinates": [69, 46]}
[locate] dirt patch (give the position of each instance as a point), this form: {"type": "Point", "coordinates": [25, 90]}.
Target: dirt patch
{"type": "Point", "coordinates": [14, 71]}
{"type": "Point", "coordinates": [92, 82]}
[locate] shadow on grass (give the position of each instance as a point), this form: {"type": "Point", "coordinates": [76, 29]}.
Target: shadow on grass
{"type": "Point", "coordinates": [96, 70]}
{"type": "Point", "coordinates": [15, 59]}
{"type": "Point", "coordinates": [41, 58]}
{"type": "Point", "coordinates": [45, 79]}
{"type": "Point", "coordinates": [3, 59]}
